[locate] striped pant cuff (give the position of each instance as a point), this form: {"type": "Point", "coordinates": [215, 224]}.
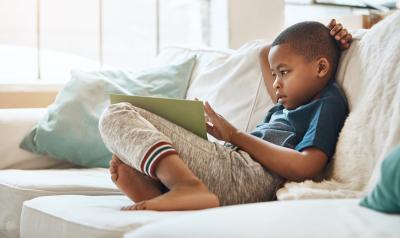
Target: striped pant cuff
{"type": "Point", "coordinates": [154, 155]}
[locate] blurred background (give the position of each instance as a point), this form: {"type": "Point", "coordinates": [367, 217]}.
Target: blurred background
{"type": "Point", "coordinates": [42, 40]}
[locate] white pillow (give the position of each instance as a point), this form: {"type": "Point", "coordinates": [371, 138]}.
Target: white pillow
{"type": "Point", "coordinates": [371, 83]}
{"type": "Point", "coordinates": [206, 57]}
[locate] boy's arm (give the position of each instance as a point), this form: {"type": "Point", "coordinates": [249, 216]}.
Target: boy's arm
{"type": "Point", "coordinates": [266, 72]}
{"type": "Point", "coordinates": [288, 163]}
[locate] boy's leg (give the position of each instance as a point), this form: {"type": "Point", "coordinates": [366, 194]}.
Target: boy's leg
{"type": "Point", "coordinates": [227, 171]}
{"type": "Point", "coordinates": [232, 175]}
{"type": "Point", "coordinates": [187, 195]}
{"type": "Point", "coordinates": [187, 192]}
{"type": "Point", "coordinates": [126, 178]}
{"type": "Point", "coordinates": [151, 152]}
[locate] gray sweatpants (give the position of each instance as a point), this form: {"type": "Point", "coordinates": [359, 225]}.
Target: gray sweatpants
{"type": "Point", "coordinates": [141, 139]}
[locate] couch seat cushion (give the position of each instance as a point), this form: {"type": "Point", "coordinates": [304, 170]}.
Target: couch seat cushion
{"type": "Point", "coordinates": [99, 216]}
{"type": "Point", "coordinates": [17, 186]}
{"type": "Point", "coordinates": [84, 216]}
{"type": "Point", "coordinates": [305, 218]}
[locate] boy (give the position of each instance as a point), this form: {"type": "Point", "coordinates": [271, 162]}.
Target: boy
{"type": "Point", "coordinates": [161, 166]}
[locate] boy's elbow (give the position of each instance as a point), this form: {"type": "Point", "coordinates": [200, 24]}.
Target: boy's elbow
{"type": "Point", "coordinates": [308, 168]}
{"type": "Point", "coordinates": [264, 51]}
{"type": "Point", "coordinates": [301, 176]}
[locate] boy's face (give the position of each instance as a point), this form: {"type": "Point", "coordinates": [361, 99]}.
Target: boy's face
{"type": "Point", "coordinates": [296, 80]}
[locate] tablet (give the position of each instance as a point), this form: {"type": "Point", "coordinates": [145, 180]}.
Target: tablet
{"type": "Point", "coordinates": [188, 114]}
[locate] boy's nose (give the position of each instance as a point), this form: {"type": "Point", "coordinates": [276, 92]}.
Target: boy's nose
{"type": "Point", "coordinates": [276, 84]}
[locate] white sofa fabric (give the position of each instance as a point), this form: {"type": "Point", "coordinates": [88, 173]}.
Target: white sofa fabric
{"type": "Point", "coordinates": [17, 186]}
{"type": "Point", "coordinates": [84, 216]}
{"type": "Point", "coordinates": [72, 216]}
{"type": "Point", "coordinates": [25, 175]}
{"type": "Point", "coordinates": [14, 125]}
{"type": "Point", "coordinates": [335, 218]}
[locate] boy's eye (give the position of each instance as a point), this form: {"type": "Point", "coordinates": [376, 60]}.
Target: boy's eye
{"type": "Point", "coordinates": [274, 75]}
{"type": "Point", "coordinates": [284, 72]}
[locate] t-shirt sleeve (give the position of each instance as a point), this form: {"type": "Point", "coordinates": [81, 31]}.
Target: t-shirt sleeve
{"type": "Point", "coordinates": [324, 126]}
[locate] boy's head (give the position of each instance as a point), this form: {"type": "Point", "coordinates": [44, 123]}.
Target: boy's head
{"type": "Point", "coordinates": [303, 58]}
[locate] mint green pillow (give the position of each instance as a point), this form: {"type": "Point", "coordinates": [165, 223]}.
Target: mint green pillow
{"type": "Point", "coordinates": [69, 129]}
{"type": "Point", "coordinates": [385, 197]}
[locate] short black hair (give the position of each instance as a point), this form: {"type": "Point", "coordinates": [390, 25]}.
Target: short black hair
{"type": "Point", "coordinates": [312, 40]}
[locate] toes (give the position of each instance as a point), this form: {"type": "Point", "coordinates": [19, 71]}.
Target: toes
{"type": "Point", "coordinates": [113, 169]}
{"type": "Point", "coordinates": [141, 206]}
{"type": "Point", "coordinates": [115, 159]}
{"type": "Point", "coordinates": [114, 177]}
{"type": "Point", "coordinates": [137, 206]}
{"type": "Point", "coordinates": [114, 163]}
{"type": "Point", "coordinates": [126, 208]}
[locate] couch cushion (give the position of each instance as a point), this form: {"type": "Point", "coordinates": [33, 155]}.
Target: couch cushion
{"type": "Point", "coordinates": [206, 58]}
{"type": "Point", "coordinates": [69, 130]}
{"type": "Point", "coordinates": [84, 216]}
{"type": "Point", "coordinates": [312, 218]}
{"type": "Point", "coordinates": [386, 195]}
{"type": "Point", "coordinates": [17, 186]}
{"type": "Point", "coordinates": [15, 123]}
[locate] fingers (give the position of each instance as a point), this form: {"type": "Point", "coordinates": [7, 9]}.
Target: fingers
{"type": "Point", "coordinates": [209, 113]}
{"type": "Point", "coordinates": [345, 41]}
{"type": "Point", "coordinates": [210, 128]}
{"type": "Point", "coordinates": [208, 119]}
{"type": "Point", "coordinates": [347, 38]}
{"type": "Point", "coordinates": [209, 110]}
{"type": "Point", "coordinates": [341, 34]}
{"type": "Point", "coordinates": [331, 24]}
{"type": "Point", "coordinates": [338, 27]}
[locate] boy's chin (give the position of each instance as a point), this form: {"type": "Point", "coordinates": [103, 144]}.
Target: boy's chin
{"type": "Point", "coordinates": [288, 106]}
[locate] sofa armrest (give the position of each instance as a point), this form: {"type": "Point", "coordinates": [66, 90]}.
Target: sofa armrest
{"type": "Point", "coordinates": [14, 125]}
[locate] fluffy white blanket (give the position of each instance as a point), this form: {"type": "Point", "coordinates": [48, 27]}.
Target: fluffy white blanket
{"type": "Point", "coordinates": [369, 74]}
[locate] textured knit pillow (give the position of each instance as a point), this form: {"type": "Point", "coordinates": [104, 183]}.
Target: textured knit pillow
{"type": "Point", "coordinates": [385, 197]}
{"type": "Point", "coordinates": [69, 130]}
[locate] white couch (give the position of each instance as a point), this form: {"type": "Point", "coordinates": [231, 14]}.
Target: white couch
{"type": "Point", "coordinates": [56, 199]}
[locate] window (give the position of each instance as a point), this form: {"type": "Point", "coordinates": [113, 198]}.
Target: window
{"type": "Point", "coordinates": [42, 40]}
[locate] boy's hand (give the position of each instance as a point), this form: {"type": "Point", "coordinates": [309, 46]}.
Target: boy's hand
{"type": "Point", "coordinates": [340, 34]}
{"type": "Point", "coordinates": [217, 125]}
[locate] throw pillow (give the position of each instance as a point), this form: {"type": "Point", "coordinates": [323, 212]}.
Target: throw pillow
{"type": "Point", "coordinates": [69, 129]}
{"type": "Point", "coordinates": [385, 197]}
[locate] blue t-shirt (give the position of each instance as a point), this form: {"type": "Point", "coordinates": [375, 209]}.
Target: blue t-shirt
{"type": "Point", "coordinates": [316, 124]}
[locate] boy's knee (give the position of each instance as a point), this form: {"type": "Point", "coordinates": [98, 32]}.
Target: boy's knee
{"type": "Point", "coordinates": [121, 106]}
{"type": "Point", "coordinates": [113, 111]}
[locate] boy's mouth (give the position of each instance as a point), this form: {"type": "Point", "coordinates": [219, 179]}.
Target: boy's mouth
{"type": "Point", "coordinates": [281, 98]}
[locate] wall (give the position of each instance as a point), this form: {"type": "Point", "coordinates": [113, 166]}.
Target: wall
{"type": "Point", "coordinates": [26, 99]}
{"type": "Point", "coordinates": [28, 95]}
{"type": "Point", "coordinates": [245, 21]}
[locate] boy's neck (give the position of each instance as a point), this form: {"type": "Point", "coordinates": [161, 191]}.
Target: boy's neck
{"type": "Point", "coordinates": [318, 95]}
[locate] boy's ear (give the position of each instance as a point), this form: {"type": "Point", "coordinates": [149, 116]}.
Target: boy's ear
{"type": "Point", "coordinates": [323, 67]}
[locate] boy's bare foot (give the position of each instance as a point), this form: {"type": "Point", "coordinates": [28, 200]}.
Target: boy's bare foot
{"type": "Point", "coordinates": [191, 196]}
{"type": "Point", "coordinates": [137, 186]}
